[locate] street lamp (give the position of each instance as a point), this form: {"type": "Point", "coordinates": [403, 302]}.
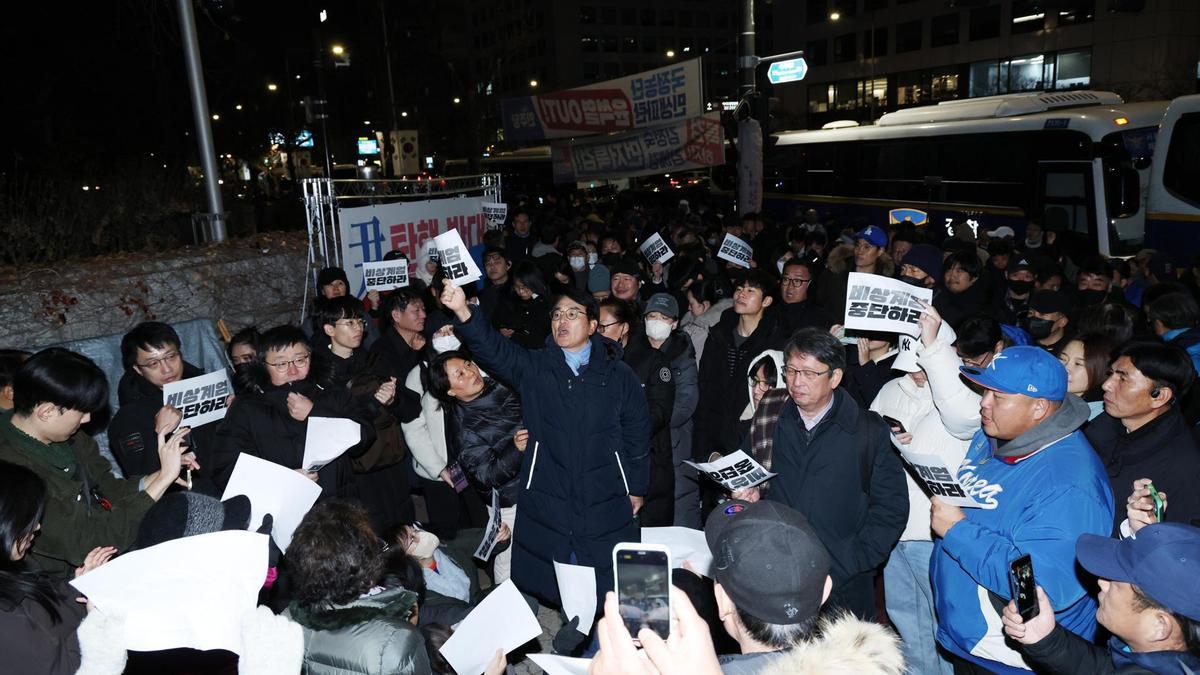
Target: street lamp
{"type": "Point", "coordinates": [338, 50]}
{"type": "Point", "coordinates": [533, 84]}
{"type": "Point", "coordinates": [216, 117]}
{"type": "Point", "coordinates": [457, 100]}
{"type": "Point", "coordinates": [237, 107]}
{"type": "Point", "coordinates": [404, 113]}
{"type": "Point", "coordinates": [835, 15]}
{"type": "Point", "coordinates": [272, 87]}
{"type": "Point", "coordinates": [670, 53]}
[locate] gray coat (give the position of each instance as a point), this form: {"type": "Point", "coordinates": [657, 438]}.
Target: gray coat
{"type": "Point", "coordinates": [370, 635]}
{"type": "Point", "coordinates": [680, 353]}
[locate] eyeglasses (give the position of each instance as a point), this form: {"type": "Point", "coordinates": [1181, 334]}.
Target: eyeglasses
{"type": "Point", "coordinates": [804, 373]}
{"type": "Point", "coordinates": [755, 382]}
{"type": "Point", "coordinates": [795, 281]}
{"type": "Point", "coordinates": [351, 323]}
{"type": "Point", "coordinates": [299, 362]}
{"type": "Point", "coordinates": [981, 362]}
{"type": "Point", "coordinates": [153, 364]}
{"type": "Point", "coordinates": [606, 326]}
{"type": "Point", "coordinates": [567, 314]}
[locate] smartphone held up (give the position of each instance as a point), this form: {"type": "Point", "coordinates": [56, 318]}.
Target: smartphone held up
{"type": "Point", "coordinates": [1024, 587]}
{"type": "Point", "coordinates": [642, 576]}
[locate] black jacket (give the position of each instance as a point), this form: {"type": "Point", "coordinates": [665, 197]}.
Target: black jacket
{"type": "Point", "coordinates": [954, 307]}
{"type": "Point", "coordinates": [653, 370]}
{"type": "Point", "coordinates": [1162, 450]}
{"type": "Point", "coordinates": [819, 473]}
{"type": "Point", "coordinates": [392, 357]}
{"type": "Point", "coordinates": [481, 432]}
{"type": "Point", "coordinates": [723, 391]}
{"type": "Point", "coordinates": [1065, 653]}
{"type": "Point", "coordinates": [528, 319]}
{"type": "Point", "coordinates": [794, 316]}
{"type": "Point", "coordinates": [33, 643]}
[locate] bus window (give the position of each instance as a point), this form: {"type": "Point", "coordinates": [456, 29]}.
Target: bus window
{"type": "Point", "coordinates": [1066, 202]}
{"type": "Point", "coordinates": [1183, 160]}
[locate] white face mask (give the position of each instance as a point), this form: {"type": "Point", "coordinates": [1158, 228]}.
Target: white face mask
{"type": "Point", "coordinates": [424, 545]}
{"type": "Point", "coordinates": [577, 262]}
{"type": "Point", "coordinates": [592, 259]}
{"type": "Point", "coordinates": [446, 343]}
{"type": "Point", "coordinates": [657, 329]}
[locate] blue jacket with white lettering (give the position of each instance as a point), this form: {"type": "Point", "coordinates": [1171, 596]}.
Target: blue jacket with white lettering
{"type": "Point", "coordinates": [1037, 503]}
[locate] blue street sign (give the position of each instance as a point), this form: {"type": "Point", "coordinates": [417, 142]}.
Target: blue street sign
{"type": "Point", "coordinates": [792, 70]}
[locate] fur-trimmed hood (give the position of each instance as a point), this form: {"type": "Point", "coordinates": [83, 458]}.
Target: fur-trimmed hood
{"type": "Point", "coordinates": [843, 645]}
{"type": "Point", "coordinates": [841, 259]}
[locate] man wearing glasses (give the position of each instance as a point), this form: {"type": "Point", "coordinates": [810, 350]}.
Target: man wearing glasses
{"type": "Point", "coordinates": [152, 356]}
{"type": "Point", "coordinates": [834, 464]}
{"type": "Point", "coordinates": [797, 309]}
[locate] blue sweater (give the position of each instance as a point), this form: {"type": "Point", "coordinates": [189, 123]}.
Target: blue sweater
{"type": "Point", "coordinates": [1039, 505]}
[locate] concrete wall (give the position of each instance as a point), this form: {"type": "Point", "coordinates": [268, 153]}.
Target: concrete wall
{"type": "Point", "coordinates": [254, 281]}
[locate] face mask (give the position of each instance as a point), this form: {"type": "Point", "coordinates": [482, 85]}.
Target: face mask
{"type": "Point", "coordinates": [446, 343]}
{"type": "Point", "coordinates": [577, 262]}
{"type": "Point", "coordinates": [1040, 329]}
{"type": "Point", "coordinates": [243, 369]}
{"type": "Point", "coordinates": [424, 546]}
{"type": "Point", "coordinates": [592, 259]}
{"type": "Point", "coordinates": [1091, 297]}
{"type": "Point", "coordinates": [1033, 243]}
{"type": "Point", "coordinates": [1020, 287]}
{"type": "Point", "coordinates": [657, 330]}
{"type": "Point", "coordinates": [920, 283]}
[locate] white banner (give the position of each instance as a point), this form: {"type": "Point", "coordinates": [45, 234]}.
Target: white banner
{"type": "Point", "coordinates": [496, 213]}
{"type": "Point", "coordinates": [488, 544]}
{"type": "Point", "coordinates": [201, 399]}
{"type": "Point", "coordinates": [879, 303]}
{"type": "Point", "coordinates": [735, 471]}
{"type": "Point", "coordinates": [456, 261]}
{"type": "Point", "coordinates": [688, 144]}
{"type": "Point", "coordinates": [939, 480]}
{"type": "Point", "coordinates": [735, 251]}
{"type": "Point", "coordinates": [386, 275]}
{"type": "Point", "coordinates": [370, 232]}
{"type": "Point", "coordinates": [655, 249]}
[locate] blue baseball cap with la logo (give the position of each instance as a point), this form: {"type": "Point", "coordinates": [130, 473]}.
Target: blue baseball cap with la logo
{"type": "Point", "coordinates": [875, 236]}
{"type": "Point", "coordinates": [1031, 371]}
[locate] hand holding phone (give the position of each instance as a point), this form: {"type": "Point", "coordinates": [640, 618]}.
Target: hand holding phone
{"type": "Point", "coordinates": [642, 576]}
{"type": "Point", "coordinates": [895, 424]}
{"type": "Point", "coordinates": [1023, 587]}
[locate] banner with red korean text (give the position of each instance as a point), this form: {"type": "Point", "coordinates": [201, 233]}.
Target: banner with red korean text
{"type": "Point", "coordinates": [369, 232]}
{"type": "Point", "coordinates": [689, 144]}
{"type": "Point", "coordinates": [647, 99]}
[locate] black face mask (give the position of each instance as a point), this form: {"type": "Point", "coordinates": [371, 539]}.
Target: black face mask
{"type": "Point", "coordinates": [920, 283]}
{"type": "Point", "coordinates": [243, 369]}
{"type": "Point", "coordinates": [1020, 287]}
{"type": "Point", "coordinates": [1092, 297]}
{"type": "Point", "coordinates": [1040, 329]}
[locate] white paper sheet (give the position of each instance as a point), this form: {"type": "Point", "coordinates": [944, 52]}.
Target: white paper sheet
{"type": "Point", "coordinates": [684, 544]}
{"type": "Point", "coordinates": [273, 489]}
{"type": "Point", "coordinates": [457, 264]}
{"type": "Point", "coordinates": [327, 438]}
{"type": "Point", "coordinates": [735, 471]}
{"type": "Point", "coordinates": [561, 665]}
{"type": "Point", "coordinates": [190, 592]}
{"type": "Point", "coordinates": [577, 588]}
{"type": "Point", "coordinates": [502, 621]}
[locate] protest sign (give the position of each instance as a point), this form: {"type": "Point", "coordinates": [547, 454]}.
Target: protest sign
{"type": "Point", "coordinates": [488, 543]}
{"type": "Point", "coordinates": [655, 249]}
{"type": "Point", "coordinates": [326, 438]}
{"type": "Point", "coordinates": [456, 261]}
{"type": "Point", "coordinates": [496, 213]}
{"type": "Point", "coordinates": [735, 471]}
{"type": "Point", "coordinates": [735, 251]}
{"type": "Point", "coordinates": [201, 399]}
{"type": "Point", "coordinates": [577, 590]}
{"type": "Point", "coordinates": [683, 146]}
{"type": "Point", "coordinates": [385, 275]}
{"type": "Point", "coordinates": [501, 621]}
{"type": "Point", "coordinates": [939, 480]}
{"type": "Point", "coordinates": [273, 489]}
{"type": "Point", "coordinates": [367, 233]}
{"type": "Point", "coordinates": [878, 303]}
{"type": "Point", "coordinates": [190, 592]}
{"type": "Point", "coordinates": [642, 100]}
{"type": "Point", "coordinates": [685, 545]}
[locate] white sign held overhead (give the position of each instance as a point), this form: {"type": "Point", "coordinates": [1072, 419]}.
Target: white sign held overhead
{"type": "Point", "coordinates": [455, 259]}
{"type": "Point", "coordinates": [655, 249]}
{"type": "Point", "coordinates": [201, 399]}
{"type": "Point", "coordinates": [878, 303]}
{"type": "Point", "coordinates": [496, 213]}
{"type": "Point", "coordinates": [273, 489]}
{"type": "Point", "coordinates": [736, 251]}
{"type": "Point", "coordinates": [385, 275]}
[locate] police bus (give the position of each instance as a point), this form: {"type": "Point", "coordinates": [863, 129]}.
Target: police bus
{"type": "Point", "coordinates": [1117, 176]}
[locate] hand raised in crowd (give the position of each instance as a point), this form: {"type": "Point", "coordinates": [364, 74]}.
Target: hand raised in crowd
{"type": "Point", "coordinates": [373, 298]}
{"type": "Point", "coordinates": [750, 494]}
{"type": "Point", "coordinates": [167, 419]}
{"type": "Point", "coordinates": [299, 406]}
{"type": "Point", "coordinates": [1034, 630]}
{"type": "Point", "coordinates": [311, 475]}
{"type": "Point", "coordinates": [864, 350]}
{"type": "Point", "coordinates": [1139, 508]}
{"type": "Point", "coordinates": [95, 558]}
{"type": "Point", "coordinates": [944, 516]}
{"type": "Point", "coordinates": [504, 532]}
{"type": "Point", "coordinates": [521, 439]}
{"type": "Point", "coordinates": [386, 393]}
{"type": "Point", "coordinates": [930, 323]}
{"type": "Point", "coordinates": [455, 300]}
{"type": "Point", "coordinates": [688, 651]}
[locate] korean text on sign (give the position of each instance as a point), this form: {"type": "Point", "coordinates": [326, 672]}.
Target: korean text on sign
{"type": "Point", "coordinates": [735, 251]}
{"type": "Point", "coordinates": [879, 303]}
{"type": "Point", "coordinates": [735, 471]}
{"type": "Point", "coordinates": [201, 399]}
{"type": "Point", "coordinates": [655, 249]}
{"type": "Point", "coordinates": [385, 275]}
{"type": "Point", "coordinates": [456, 261]}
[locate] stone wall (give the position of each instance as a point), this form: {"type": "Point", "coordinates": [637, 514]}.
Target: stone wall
{"type": "Point", "coordinates": [254, 281]}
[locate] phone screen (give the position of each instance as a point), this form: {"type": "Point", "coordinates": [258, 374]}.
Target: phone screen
{"type": "Point", "coordinates": [644, 589]}
{"type": "Point", "coordinates": [897, 427]}
{"type": "Point", "coordinates": [1024, 588]}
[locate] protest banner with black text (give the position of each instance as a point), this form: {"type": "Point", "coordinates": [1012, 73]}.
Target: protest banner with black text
{"type": "Point", "coordinates": [496, 213]}
{"type": "Point", "coordinates": [684, 146]}
{"type": "Point", "coordinates": [938, 479]}
{"type": "Point", "coordinates": [735, 251]}
{"type": "Point", "coordinates": [735, 471]}
{"type": "Point", "coordinates": [878, 303]}
{"type": "Point", "coordinates": [201, 399]}
{"type": "Point", "coordinates": [655, 249]}
{"type": "Point", "coordinates": [456, 261]}
{"type": "Point", "coordinates": [385, 275]}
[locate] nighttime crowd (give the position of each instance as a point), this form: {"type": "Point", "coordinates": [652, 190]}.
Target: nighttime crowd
{"type": "Point", "coordinates": [567, 389]}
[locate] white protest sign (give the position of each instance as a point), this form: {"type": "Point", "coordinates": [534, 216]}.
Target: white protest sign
{"type": "Point", "coordinates": [201, 399]}
{"type": "Point", "coordinates": [735, 251]}
{"type": "Point", "coordinates": [488, 543]}
{"type": "Point", "coordinates": [655, 249]}
{"type": "Point", "coordinates": [684, 543]}
{"type": "Point", "coordinates": [273, 489]}
{"type": "Point", "coordinates": [554, 664]}
{"type": "Point", "coordinates": [577, 589]}
{"type": "Point", "coordinates": [326, 439]}
{"type": "Point", "coordinates": [456, 261]}
{"type": "Point", "coordinates": [189, 592]}
{"type": "Point", "coordinates": [385, 275]}
{"type": "Point", "coordinates": [879, 303]}
{"type": "Point", "coordinates": [495, 212]}
{"type": "Point", "coordinates": [735, 471]}
{"type": "Point", "coordinates": [502, 621]}
{"type": "Point", "coordinates": [939, 480]}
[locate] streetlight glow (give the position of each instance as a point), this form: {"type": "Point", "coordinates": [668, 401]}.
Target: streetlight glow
{"type": "Point", "coordinates": [272, 87]}
{"type": "Point", "coordinates": [338, 50]}
{"type": "Point", "coordinates": [457, 100]}
{"type": "Point", "coordinates": [404, 113]}
{"type": "Point", "coordinates": [216, 117]}
{"type": "Point", "coordinates": [835, 15]}
{"type": "Point", "coordinates": [533, 83]}
{"type": "Point", "coordinates": [237, 107]}
{"type": "Point", "coordinates": [670, 53]}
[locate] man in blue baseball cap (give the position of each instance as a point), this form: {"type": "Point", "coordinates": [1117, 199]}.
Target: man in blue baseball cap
{"type": "Point", "coordinates": [1148, 601]}
{"type": "Point", "coordinates": [1040, 486]}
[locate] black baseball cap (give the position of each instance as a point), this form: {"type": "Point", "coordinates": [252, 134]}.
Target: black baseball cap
{"type": "Point", "coordinates": [1049, 302]}
{"type": "Point", "coordinates": [768, 559]}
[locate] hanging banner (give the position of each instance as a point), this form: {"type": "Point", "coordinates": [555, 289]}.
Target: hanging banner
{"type": "Point", "coordinates": [879, 303]}
{"type": "Point", "coordinates": [369, 232]}
{"type": "Point", "coordinates": [689, 144]}
{"type": "Point", "coordinates": [646, 99]}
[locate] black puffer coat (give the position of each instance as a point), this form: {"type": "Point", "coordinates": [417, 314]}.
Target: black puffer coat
{"type": "Point", "coordinates": [653, 370]}
{"type": "Point", "coordinates": [481, 433]}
